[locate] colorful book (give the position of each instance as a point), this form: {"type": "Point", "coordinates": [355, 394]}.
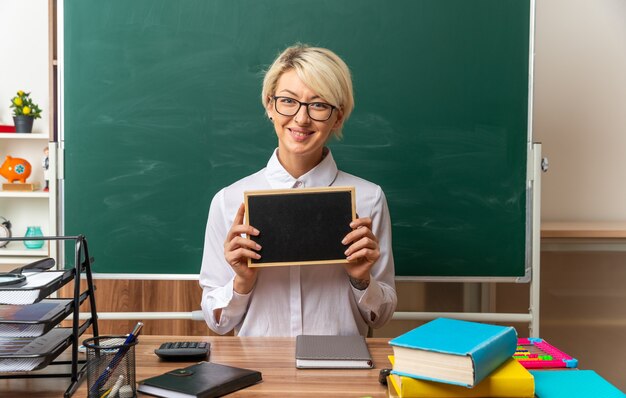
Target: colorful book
{"type": "Point", "coordinates": [573, 384]}
{"type": "Point", "coordinates": [509, 380]}
{"type": "Point", "coordinates": [391, 389]}
{"type": "Point", "coordinates": [453, 351]}
{"type": "Point", "coordinates": [535, 353]}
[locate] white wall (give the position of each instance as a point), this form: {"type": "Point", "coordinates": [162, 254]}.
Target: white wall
{"type": "Point", "coordinates": [24, 57]}
{"type": "Point", "coordinates": [580, 108]}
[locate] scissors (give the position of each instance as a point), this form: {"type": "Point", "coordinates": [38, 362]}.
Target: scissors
{"type": "Point", "coordinates": [15, 278]}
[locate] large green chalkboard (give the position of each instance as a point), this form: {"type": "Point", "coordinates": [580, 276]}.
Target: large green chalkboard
{"type": "Point", "coordinates": [162, 109]}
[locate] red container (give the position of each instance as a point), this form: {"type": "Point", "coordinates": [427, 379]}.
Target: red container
{"type": "Point", "coordinates": [7, 129]}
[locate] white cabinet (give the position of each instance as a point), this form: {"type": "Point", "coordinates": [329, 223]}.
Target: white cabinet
{"type": "Point", "coordinates": [26, 208]}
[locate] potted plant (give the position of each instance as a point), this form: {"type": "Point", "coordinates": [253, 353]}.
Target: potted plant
{"type": "Point", "coordinates": [25, 111]}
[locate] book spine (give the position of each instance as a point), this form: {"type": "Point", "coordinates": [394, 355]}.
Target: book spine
{"type": "Point", "coordinates": [493, 353]}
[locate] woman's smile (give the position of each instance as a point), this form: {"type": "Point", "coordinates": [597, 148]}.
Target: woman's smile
{"type": "Point", "coordinates": [300, 134]}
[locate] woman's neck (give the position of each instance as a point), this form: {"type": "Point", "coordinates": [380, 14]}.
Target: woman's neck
{"type": "Point", "coordinates": [299, 165]}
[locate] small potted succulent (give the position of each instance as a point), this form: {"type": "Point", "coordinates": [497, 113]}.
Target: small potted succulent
{"type": "Point", "coordinates": [25, 111]}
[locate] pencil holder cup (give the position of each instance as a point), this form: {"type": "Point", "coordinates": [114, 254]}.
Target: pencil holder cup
{"type": "Point", "coordinates": [110, 366]}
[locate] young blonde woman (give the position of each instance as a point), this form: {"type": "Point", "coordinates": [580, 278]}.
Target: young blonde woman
{"type": "Point", "coordinates": [307, 94]}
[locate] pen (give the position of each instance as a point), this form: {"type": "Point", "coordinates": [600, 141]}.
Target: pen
{"type": "Point", "coordinates": [116, 359]}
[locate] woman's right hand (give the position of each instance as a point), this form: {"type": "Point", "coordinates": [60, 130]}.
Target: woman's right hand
{"type": "Point", "coordinates": [237, 251]}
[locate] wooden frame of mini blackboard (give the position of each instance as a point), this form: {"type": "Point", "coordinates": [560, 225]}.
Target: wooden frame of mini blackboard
{"type": "Point", "coordinates": [333, 207]}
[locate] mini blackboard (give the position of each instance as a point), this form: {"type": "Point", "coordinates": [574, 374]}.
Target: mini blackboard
{"type": "Point", "coordinates": [300, 226]}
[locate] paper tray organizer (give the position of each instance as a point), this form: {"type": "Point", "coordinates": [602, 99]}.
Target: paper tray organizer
{"type": "Point", "coordinates": [26, 312]}
{"type": "Point", "coordinates": [33, 320]}
{"type": "Point", "coordinates": [33, 353]}
{"type": "Point", "coordinates": [39, 285]}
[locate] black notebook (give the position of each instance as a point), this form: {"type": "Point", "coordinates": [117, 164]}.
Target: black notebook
{"type": "Point", "coordinates": [202, 380]}
{"type": "Point", "coordinates": [342, 352]}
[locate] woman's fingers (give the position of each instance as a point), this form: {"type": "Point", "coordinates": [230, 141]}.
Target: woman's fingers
{"type": "Point", "coordinates": [240, 213]}
{"type": "Point", "coordinates": [241, 242]}
{"type": "Point", "coordinates": [238, 227]}
{"type": "Point", "coordinates": [363, 249]}
{"type": "Point", "coordinates": [362, 244]}
{"type": "Point", "coordinates": [362, 227]}
{"type": "Point", "coordinates": [237, 249]}
{"type": "Point", "coordinates": [236, 256]}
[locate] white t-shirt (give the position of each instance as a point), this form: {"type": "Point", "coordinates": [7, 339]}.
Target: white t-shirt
{"type": "Point", "coordinates": [294, 300]}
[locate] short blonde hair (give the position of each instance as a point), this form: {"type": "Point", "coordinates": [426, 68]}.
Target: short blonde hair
{"type": "Point", "coordinates": [321, 70]}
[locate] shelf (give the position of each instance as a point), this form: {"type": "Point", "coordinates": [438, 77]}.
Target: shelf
{"type": "Point", "coordinates": [24, 194]}
{"type": "Point", "coordinates": [24, 136]}
{"type": "Point", "coordinates": [16, 253]}
{"type": "Point", "coordinates": [11, 252]}
{"type": "Point", "coordinates": [583, 230]}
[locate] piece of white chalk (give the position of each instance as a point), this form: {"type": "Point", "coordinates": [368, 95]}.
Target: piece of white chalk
{"type": "Point", "coordinates": [116, 387]}
{"type": "Point", "coordinates": [126, 391]}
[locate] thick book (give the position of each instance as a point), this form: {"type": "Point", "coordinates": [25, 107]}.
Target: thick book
{"type": "Point", "coordinates": [573, 384]}
{"type": "Point", "coordinates": [509, 380]}
{"type": "Point", "coordinates": [453, 351]}
{"type": "Point", "coordinates": [202, 380]}
{"type": "Point", "coordinates": [332, 352]}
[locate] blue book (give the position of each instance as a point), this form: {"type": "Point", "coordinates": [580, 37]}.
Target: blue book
{"type": "Point", "coordinates": [453, 351]}
{"type": "Point", "coordinates": [573, 384]}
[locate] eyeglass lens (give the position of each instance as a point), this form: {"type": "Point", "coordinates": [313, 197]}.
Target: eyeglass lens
{"type": "Point", "coordinates": [318, 111]}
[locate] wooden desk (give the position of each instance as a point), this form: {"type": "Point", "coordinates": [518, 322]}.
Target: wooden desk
{"type": "Point", "coordinates": [273, 357]}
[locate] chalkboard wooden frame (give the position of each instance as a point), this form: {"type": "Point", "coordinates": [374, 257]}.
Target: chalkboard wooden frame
{"type": "Point", "coordinates": [300, 226]}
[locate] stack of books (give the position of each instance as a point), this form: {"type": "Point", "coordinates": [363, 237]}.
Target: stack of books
{"type": "Point", "coordinates": [452, 358]}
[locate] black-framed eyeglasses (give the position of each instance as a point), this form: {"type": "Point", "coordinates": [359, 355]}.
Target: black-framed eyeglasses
{"type": "Point", "coordinates": [318, 111]}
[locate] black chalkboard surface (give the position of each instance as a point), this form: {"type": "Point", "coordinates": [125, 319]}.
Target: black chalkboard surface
{"type": "Point", "coordinates": [162, 109]}
{"type": "Point", "coordinates": [300, 226]}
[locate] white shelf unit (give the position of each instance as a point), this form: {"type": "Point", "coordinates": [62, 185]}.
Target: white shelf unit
{"type": "Point", "coordinates": [34, 73]}
{"type": "Point", "coordinates": [25, 208]}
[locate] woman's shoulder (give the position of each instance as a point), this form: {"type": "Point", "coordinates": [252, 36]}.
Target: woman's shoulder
{"type": "Point", "coordinates": [368, 194]}
{"type": "Point", "coordinates": [361, 184]}
{"type": "Point", "coordinates": [370, 197]}
{"type": "Point", "coordinates": [249, 183]}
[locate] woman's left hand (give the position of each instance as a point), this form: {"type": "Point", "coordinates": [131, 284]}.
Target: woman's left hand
{"type": "Point", "coordinates": [363, 251]}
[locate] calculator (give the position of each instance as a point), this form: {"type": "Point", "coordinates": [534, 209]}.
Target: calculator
{"type": "Point", "coordinates": [184, 351]}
